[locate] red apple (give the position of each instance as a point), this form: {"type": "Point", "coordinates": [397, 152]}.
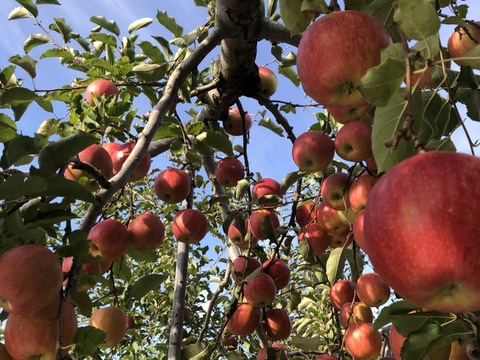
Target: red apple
{"type": "Point", "coordinates": [100, 87]}
{"type": "Point", "coordinates": [31, 279]}
{"type": "Point", "coordinates": [313, 151]}
{"type": "Point", "coordinates": [362, 342]}
{"type": "Point", "coordinates": [324, 78]}
{"type": "Point", "coordinates": [111, 147]}
{"type": "Point", "coordinates": [334, 190]}
{"type": "Point", "coordinates": [460, 43]}
{"type": "Point", "coordinates": [109, 240]}
{"type": "Point", "coordinates": [278, 349]}
{"type": "Point", "coordinates": [328, 219]}
{"type": "Point", "coordinates": [172, 185]}
{"type": "Point", "coordinates": [130, 322]}
{"type": "Point", "coordinates": [190, 226]}
{"type": "Point", "coordinates": [342, 239]}
{"type": "Point", "coordinates": [433, 207]}
{"type": "Point", "coordinates": [317, 237]}
{"type": "Point", "coordinates": [112, 321]}
{"type": "Point", "coordinates": [120, 156]}
{"type": "Point", "coordinates": [231, 343]}
{"type": "Point", "coordinates": [371, 164]}
{"type": "Point", "coordinates": [229, 171]}
{"type": "Point", "coordinates": [260, 291]}
{"type": "Point", "coordinates": [243, 242]}
{"type": "Point", "coordinates": [244, 266]}
{"type": "Point", "coordinates": [244, 320]}
{"type": "Point", "coordinates": [233, 123]}
{"type": "Point", "coordinates": [265, 187]}
{"type": "Point", "coordinates": [255, 222]}
{"type": "Point", "coordinates": [326, 357]}
{"type": "Point", "coordinates": [146, 232]}
{"type": "Point", "coordinates": [360, 313]}
{"type": "Point", "coordinates": [4, 355]}
{"type": "Point", "coordinates": [354, 141]}
{"type": "Point", "coordinates": [278, 324]}
{"type": "Point", "coordinates": [86, 281]}
{"type": "Point", "coordinates": [268, 81]}
{"type": "Point", "coordinates": [345, 115]}
{"type": "Point", "coordinates": [342, 292]}
{"type": "Point", "coordinates": [278, 270]}
{"type": "Point", "coordinates": [305, 214]}
{"type": "Point", "coordinates": [372, 290]}
{"type": "Point", "coordinates": [358, 229]}
{"type": "Point", "coordinates": [359, 190]}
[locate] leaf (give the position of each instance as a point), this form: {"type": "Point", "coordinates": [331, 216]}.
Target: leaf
{"type": "Point", "coordinates": [29, 5]}
{"type": "Point", "coordinates": [139, 24]}
{"type": "Point", "coordinates": [306, 250]}
{"type": "Point", "coordinates": [146, 284]}
{"type": "Point", "coordinates": [152, 52]}
{"type": "Point", "coordinates": [290, 74]}
{"type": "Point", "coordinates": [19, 185]}
{"type": "Point", "coordinates": [291, 179]}
{"type": "Point", "coordinates": [26, 63]}
{"type": "Point", "coordinates": [269, 124]}
{"type": "Point", "coordinates": [398, 308]}
{"type": "Point", "coordinates": [62, 28]}
{"type": "Point", "coordinates": [104, 38]}
{"type": "Point", "coordinates": [293, 16]}
{"type": "Point", "coordinates": [87, 338]}
{"type": "Point", "coordinates": [169, 23]}
{"type": "Point", "coordinates": [18, 13]}
{"type": "Point", "coordinates": [241, 188]}
{"type": "Point", "coordinates": [59, 186]}
{"type": "Point", "coordinates": [306, 344]}
{"type": "Point", "coordinates": [472, 58]}
{"type": "Point", "coordinates": [268, 229]}
{"type": "Point", "coordinates": [47, 2]}
{"type": "Point", "coordinates": [418, 19]}
{"type": "Point", "coordinates": [107, 25]}
{"type": "Point", "coordinates": [150, 72]}
{"type": "Point", "coordinates": [17, 95]}
{"type": "Point", "coordinates": [335, 264]}
{"type": "Point", "coordinates": [219, 141]}
{"type": "Point", "coordinates": [33, 41]}
{"type": "Point", "coordinates": [8, 128]}
{"type": "Point", "coordinates": [195, 128]}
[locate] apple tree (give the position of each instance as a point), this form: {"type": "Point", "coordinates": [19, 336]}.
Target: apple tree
{"type": "Point", "coordinates": [151, 211]}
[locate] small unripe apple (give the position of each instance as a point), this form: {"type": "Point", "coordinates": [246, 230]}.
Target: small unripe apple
{"type": "Point", "coordinates": [120, 156]}
{"type": "Point", "coordinates": [146, 232]}
{"type": "Point", "coordinates": [233, 122]}
{"type": "Point", "coordinates": [111, 320]}
{"type": "Point", "coordinates": [190, 226]}
{"type": "Point", "coordinates": [229, 171]}
{"type": "Point", "coordinates": [268, 81]}
{"type": "Point", "coordinates": [100, 87]}
{"type": "Point", "coordinates": [109, 240]}
{"type": "Point", "coordinates": [313, 151]}
{"type": "Point", "coordinates": [172, 185]}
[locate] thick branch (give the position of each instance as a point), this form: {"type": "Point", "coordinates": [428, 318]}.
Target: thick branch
{"type": "Point", "coordinates": [277, 32]}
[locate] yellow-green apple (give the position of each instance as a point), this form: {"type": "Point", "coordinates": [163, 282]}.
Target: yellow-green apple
{"type": "Point", "coordinates": [31, 277]}
{"type": "Point", "coordinates": [34, 335]}
{"type": "Point", "coordinates": [278, 270]}
{"type": "Point", "coordinates": [372, 290]}
{"type": "Point", "coordinates": [109, 239]}
{"type": "Point", "coordinates": [423, 228]}
{"type": "Point", "coordinates": [334, 190]}
{"type": "Point", "coordinates": [96, 156]}
{"type": "Point", "coordinates": [87, 277]}
{"type": "Point", "coordinates": [112, 321]}
{"type": "Point", "coordinates": [313, 151]}
{"type": "Point", "coordinates": [305, 214]}
{"type": "Point", "coordinates": [355, 314]}
{"type": "Point", "coordinates": [279, 350]}
{"type": "Point", "coordinates": [278, 325]}
{"type": "Point", "coordinates": [233, 123]}
{"type": "Point", "coordinates": [319, 240]}
{"type": "Point", "coordinates": [354, 141]}
{"type": "Point", "coordinates": [359, 190]}
{"type": "Point", "coordinates": [342, 239]}
{"type": "Point", "coordinates": [358, 229]}
{"type": "Point", "coordinates": [172, 185]}
{"type": "Point", "coordinates": [229, 171]}
{"type": "Point", "coordinates": [347, 216]}
{"type": "Point", "coordinates": [244, 320]}
{"type": "Point", "coordinates": [146, 232]}
{"type": "Point", "coordinates": [342, 292]}
{"type": "Point", "coordinates": [265, 187]}
{"type": "Point", "coordinates": [190, 226]}
{"type": "Point", "coordinates": [328, 219]}
{"type": "Point", "coordinates": [335, 36]}
{"type": "Point", "coordinates": [120, 156]}
{"type": "Point", "coordinates": [345, 115]}
{"type": "Point", "coordinates": [362, 343]}
{"type": "Point", "coordinates": [260, 291]}
{"type": "Point", "coordinates": [268, 81]}
{"type": "Point", "coordinates": [231, 343]}
{"type": "Point", "coordinates": [4, 355]}
{"type": "Point", "coordinates": [460, 43]}
{"type": "Point", "coordinates": [239, 239]}
{"type": "Point", "coordinates": [130, 322]}
{"type": "Point", "coordinates": [326, 357]}
{"type": "Point", "coordinates": [100, 87]}
{"type": "Point", "coordinates": [243, 266]}
{"type": "Point", "coordinates": [256, 219]}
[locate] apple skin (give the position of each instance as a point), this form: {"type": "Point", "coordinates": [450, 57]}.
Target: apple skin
{"type": "Point", "coordinates": [362, 342]}
{"type": "Point", "coordinates": [459, 43]}
{"type": "Point", "coordinates": [328, 219]}
{"type": "Point", "coordinates": [359, 190]}
{"type": "Point", "coordinates": [313, 151]}
{"type": "Point", "coordinates": [255, 222]}
{"type": "Point", "coordinates": [109, 240]}
{"type": "Point", "coordinates": [326, 357]}
{"type": "Point", "coordinates": [111, 320]}
{"type": "Point", "coordinates": [305, 214]}
{"type": "Point", "coordinates": [231, 343]}
{"type": "Point", "coordinates": [229, 171]}
{"type": "Point", "coordinates": [85, 282]}
{"type": "Point", "coordinates": [372, 290]}
{"type": "Point", "coordinates": [146, 232]}
{"type": "Point", "coordinates": [190, 226]}
{"type": "Point", "coordinates": [242, 265]}
{"type": "Point", "coordinates": [130, 322]}
{"type": "Point", "coordinates": [358, 230]}
{"type": "Point", "coordinates": [233, 122]}
{"type": "Point", "coordinates": [342, 239]}
{"type": "Point", "coordinates": [342, 292]}
{"type": "Point", "coordinates": [236, 236]}
{"type": "Point", "coordinates": [31, 279]}
{"type": "Point", "coordinates": [172, 185]}
{"type": "Point", "coordinates": [260, 291]}
{"type": "Point", "coordinates": [319, 240]}
{"type": "Point", "coordinates": [277, 324]}
{"type": "Point", "coordinates": [354, 141]}
{"type": "Point", "coordinates": [34, 335]}
{"type": "Point", "coordinates": [4, 355]}
{"type": "Point", "coordinates": [334, 83]}
{"type": "Point", "coordinates": [244, 320]}
{"type": "Point", "coordinates": [345, 115]}
{"type": "Point", "coordinates": [278, 270]}
{"type": "Point", "coordinates": [334, 190]}
{"type": "Point", "coordinates": [267, 186]}
{"type": "Point", "coordinates": [360, 313]}
{"type": "Point", "coordinates": [100, 87]}
{"type": "Point", "coordinates": [111, 147]}
{"type": "Point", "coordinates": [268, 81]}
{"type": "Point", "coordinates": [281, 352]}
{"type": "Point", "coordinates": [120, 156]}
{"type": "Point", "coordinates": [432, 211]}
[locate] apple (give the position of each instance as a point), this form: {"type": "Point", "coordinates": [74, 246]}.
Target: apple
{"type": "Point", "coordinates": [229, 171]}
{"type": "Point", "coordinates": [278, 270]}
{"type": "Point", "coordinates": [190, 226]}
{"type": "Point", "coordinates": [4, 355]}
{"type": "Point", "coordinates": [109, 239]}
{"type": "Point", "coordinates": [105, 265]}
{"type": "Point", "coordinates": [120, 156]}
{"type": "Point", "coordinates": [460, 43]}
{"type": "Point", "coordinates": [31, 279]}
{"type": "Point", "coordinates": [360, 312]}
{"type": "Point", "coordinates": [87, 281]}
{"type": "Point", "coordinates": [260, 291]}
{"type": "Point", "coordinates": [34, 335]}
{"type": "Point", "coordinates": [334, 190]}
{"type": "Point", "coordinates": [233, 122]}
{"type": "Point", "coordinates": [172, 185]}
{"type": "Point", "coordinates": [342, 292]}
{"type": "Point", "coordinates": [426, 204]}
{"type": "Point", "coordinates": [112, 321]}
{"type": "Point", "coordinates": [100, 87]}
{"type": "Point", "coordinates": [305, 214]}
{"type": "Point", "coordinates": [362, 343]}
{"type": "Point", "coordinates": [96, 156]}
{"type": "Point", "coordinates": [146, 232]}
{"type": "Point", "coordinates": [279, 350]}
{"type": "Point", "coordinates": [358, 230]}
{"type": "Point", "coordinates": [372, 290]}
{"type": "Point", "coordinates": [268, 81]}
{"type": "Point", "coordinates": [130, 322]}
{"type": "Point", "coordinates": [231, 343]}
{"type": "Point", "coordinates": [359, 190]}
{"type": "Point", "coordinates": [277, 324]}
{"type": "Point", "coordinates": [244, 266]}
{"type": "Point", "coordinates": [256, 219]}
{"type": "Point", "coordinates": [347, 216]}
{"type": "Point", "coordinates": [326, 357]}
{"type": "Point", "coordinates": [319, 240]}
{"type": "Point", "coordinates": [244, 320]}
{"type": "Point", "coordinates": [111, 147]}
{"type": "Point", "coordinates": [313, 151]}
{"type": "Point", "coordinates": [328, 219]}
{"type": "Point", "coordinates": [371, 164]}
{"type": "Point", "coordinates": [335, 37]}
{"type": "Point", "coordinates": [345, 115]}
{"type": "Point", "coordinates": [354, 141]}
{"type": "Point", "coordinates": [267, 186]}
{"type": "Point", "coordinates": [243, 242]}
{"type": "Point", "coordinates": [343, 239]}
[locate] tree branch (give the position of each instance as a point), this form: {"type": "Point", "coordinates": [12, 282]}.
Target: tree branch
{"type": "Point", "coordinates": [277, 32]}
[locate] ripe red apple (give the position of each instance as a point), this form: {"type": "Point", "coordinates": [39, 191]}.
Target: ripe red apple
{"type": "Point", "coordinates": [100, 87]}
{"type": "Point", "coordinates": [345, 115]}
{"type": "Point", "coordinates": [326, 357]}
{"type": "Point", "coordinates": [111, 320]}
{"type": "Point", "coordinates": [244, 320]}
{"type": "Point", "coordinates": [267, 186]}
{"type": "Point", "coordinates": [305, 214]}
{"type": "Point", "coordinates": [4, 355]}
{"type": "Point", "coordinates": [260, 291]}
{"type": "Point", "coordinates": [146, 232]}
{"type": "Point", "coordinates": [109, 240]}
{"type": "Point", "coordinates": [324, 78]}
{"type": "Point", "coordinates": [34, 335]}
{"type": "Point", "coordinates": [255, 222]}
{"type": "Point", "coordinates": [229, 171]}
{"type": "Point", "coordinates": [233, 123]}
{"type": "Point", "coordinates": [243, 265]}
{"type": "Point", "coordinates": [460, 43]}
{"type": "Point", "coordinates": [354, 141]}
{"type": "Point", "coordinates": [277, 324]}
{"type": "Point", "coordinates": [96, 156]}
{"type": "Point", "coordinates": [317, 237]}
{"type": "Point", "coordinates": [31, 279]}
{"type": "Point", "coordinates": [342, 239]}
{"type": "Point", "coordinates": [190, 226]}
{"type": "Point", "coordinates": [243, 242]}
{"type": "Point", "coordinates": [424, 261]}
{"type": "Point", "coordinates": [278, 270]}
{"type": "Point", "coordinates": [360, 313]}
{"type": "Point", "coordinates": [359, 190]}
{"type": "Point", "coordinates": [120, 156]}
{"type": "Point", "coordinates": [328, 219]}
{"type": "Point", "coordinates": [279, 350]}
{"type": "Point", "coordinates": [268, 81]}
{"type": "Point", "coordinates": [362, 342]}
{"type": "Point", "coordinates": [86, 281]}
{"type": "Point", "coordinates": [372, 290]}
{"type": "Point", "coordinates": [334, 190]}
{"type": "Point", "coordinates": [231, 343]}
{"type": "Point", "coordinates": [130, 322]}
{"type": "Point", "coordinates": [111, 147]}
{"type": "Point", "coordinates": [342, 292]}
{"type": "Point", "coordinates": [313, 151]}
{"type": "Point", "coordinates": [172, 185]}
{"type": "Point", "coordinates": [358, 229]}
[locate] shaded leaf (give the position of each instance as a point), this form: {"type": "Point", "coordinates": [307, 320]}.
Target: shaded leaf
{"type": "Point", "coordinates": [59, 186]}
{"type": "Point", "coordinates": [62, 53]}
{"type": "Point", "coordinates": [291, 179]}
{"type": "Point", "coordinates": [418, 19]}
{"type": "Point", "coordinates": [19, 185]}
{"type": "Point", "coordinates": [269, 124]}
{"type": "Point", "coordinates": [87, 338]}
{"type": "Point", "coordinates": [398, 308]}
{"type": "Point", "coordinates": [26, 63]}
{"type": "Point", "coordinates": [293, 16]}
{"type": "Point", "coordinates": [146, 284]}
{"type": "Point", "coordinates": [33, 41]}
{"type": "Point", "coordinates": [29, 5]}
{"type": "Point", "coordinates": [107, 25]}
{"type": "Point", "coordinates": [8, 128]}
{"type": "Point", "coordinates": [150, 72]}
{"type": "Point", "coordinates": [152, 52]}
{"type": "Point", "coordinates": [104, 38]}
{"type": "Point", "coordinates": [62, 28]}
{"type": "Point", "coordinates": [335, 264]}
{"type": "Point", "coordinates": [169, 23]}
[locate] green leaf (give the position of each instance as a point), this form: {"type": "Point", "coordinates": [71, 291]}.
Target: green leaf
{"type": "Point", "coordinates": [418, 19]}
{"type": "Point", "coordinates": [291, 179]}
{"type": "Point", "coordinates": [104, 38]}
{"type": "Point", "coordinates": [293, 16]}
{"type": "Point", "coordinates": [47, 2]}
{"type": "Point", "coordinates": [306, 343]}
{"type": "Point", "coordinates": [59, 186]}
{"type": "Point", "coordinates": [17, 95]}
{"type": "Point", "coordinates": [29, 5]}
{"type": "Point", "coordinates": [62, 28]}
{"type": "Point", "coordinates": [150, 72]}
{"type": "Point", "coordinates": [19, 185]}
{"type": "Point", "coordinates": [139, 24]}
{"type": "Point", "coordinates": [195, 128]}
{"type": "Point", "coordinates": [19, 13]}
{"type": "Point", "coordinates": [472, 58]}
{"type": "Point", "coordinates": [169, 23]}
{"type": "Point", "coordinates": [152, 52]}
{"type": "Point", "coordinates": [335, 264]}
{"type": "Point", "coordinates": [8, 128]}
{"type": "Point", "coordinates": [397, 308]}
{"type": "Point", "coordinates": [146, 284]}
{"type": "Point", "coordinates": [454, 20]}
{"type": "Point", "coordinates": [272, 7]}
{"type": "Point", "coordinates": [7, 77]}
{"type": "Point", "coordinates": [306, 250]}
{"type": "Point", "coordinates": [87, 338]}
{"type": "Point", "coordinates": [268, 229]}
{"type": "Point", "coordinates": [26, 63]}
{"type": "Point", "coordinates": [219, 141]}
{"type": "Point", "coordinates": [107, 25]}
{"type": "Point", "coordinates": [33, 41]}
{"type": "Point", "coordinates": [269, 124]}
{"type": "Point", "coordinates": [241, 188]}
{"type": "Point", "coordinates": [290, 74]}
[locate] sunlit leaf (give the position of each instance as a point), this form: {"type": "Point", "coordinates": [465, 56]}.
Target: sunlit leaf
{"type": "Point", "coordinates": [139, 24]}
